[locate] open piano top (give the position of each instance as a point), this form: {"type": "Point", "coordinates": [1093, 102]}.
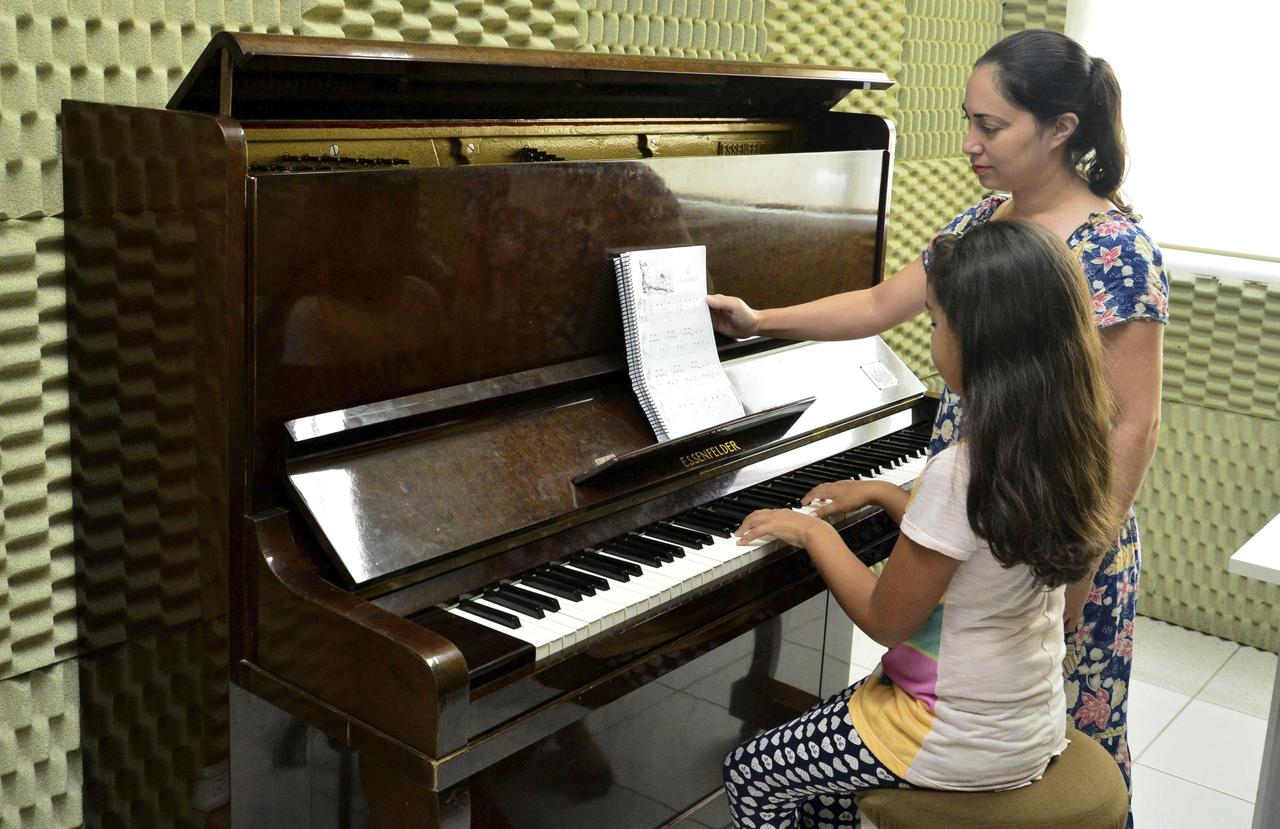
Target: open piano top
{"type": "Point", "coordinates": [396, 261]}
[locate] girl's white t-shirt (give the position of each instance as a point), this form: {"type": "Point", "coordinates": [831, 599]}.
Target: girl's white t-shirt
{"type": "Point", "coordinates": [974, 699]}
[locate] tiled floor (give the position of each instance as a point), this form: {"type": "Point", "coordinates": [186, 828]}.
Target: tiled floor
{"type": "Point", "coordinates": [1197, 719]}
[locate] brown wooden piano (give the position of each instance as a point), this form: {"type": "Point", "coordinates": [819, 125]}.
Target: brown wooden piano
{"type": "Point", "coordinates": [358, 299]}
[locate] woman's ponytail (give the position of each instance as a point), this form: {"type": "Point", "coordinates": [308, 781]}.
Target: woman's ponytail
{"type": "Point", "coordinates": [1098, 146]}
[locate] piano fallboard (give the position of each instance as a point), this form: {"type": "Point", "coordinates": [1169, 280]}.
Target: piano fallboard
{"type": "Point", "coordinates": [426, 496]}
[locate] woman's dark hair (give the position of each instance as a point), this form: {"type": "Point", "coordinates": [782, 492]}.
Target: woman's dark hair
{"type": "Point", "coordinates": [1036, 406]}
{"type": "Point", "coordinates": [1049, 74]}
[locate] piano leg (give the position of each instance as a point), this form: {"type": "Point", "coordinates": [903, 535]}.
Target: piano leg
{"type": "Point", "coordinates": [396, 802]}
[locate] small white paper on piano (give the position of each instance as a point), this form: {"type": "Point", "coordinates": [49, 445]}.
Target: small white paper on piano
{"type": "Point", "coordinates": [671, 350]}
{"type": "Point", "coordinates": [879, 374]}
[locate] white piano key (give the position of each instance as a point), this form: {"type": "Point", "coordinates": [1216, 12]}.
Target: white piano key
{"type": "Point", "coordinates": [581, 614]}
{"type": "Point", "coordinates": [659, 585]}
{"type": "Point", "coordinates": [607, 607]}
{"type": "Point", "coordinates": [700, 568]}
{"type": "Point", "coordinates": [543, 644]}
{"type": "Point", "coordinates": [566, 634]}
{"type": "Point", "coordinates": [628, 600]}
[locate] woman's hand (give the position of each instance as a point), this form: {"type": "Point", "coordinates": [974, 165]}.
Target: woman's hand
{"type": "Point", "coordinates": [733, 317]}
{"type": "Point", "coordinates": [788, 526]}
{"type": "Point", "coordinates": [841, 497]}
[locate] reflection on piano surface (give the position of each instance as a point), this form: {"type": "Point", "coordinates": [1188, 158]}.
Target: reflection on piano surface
{"type": "Point", "coordinates": [393, 264]}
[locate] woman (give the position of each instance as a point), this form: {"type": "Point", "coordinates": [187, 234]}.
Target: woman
{"type": "Point", "coordinates": [1044, 127]}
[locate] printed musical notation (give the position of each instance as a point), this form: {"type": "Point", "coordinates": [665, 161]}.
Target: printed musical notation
{"type": "Point", "coordinates": [671, 352]}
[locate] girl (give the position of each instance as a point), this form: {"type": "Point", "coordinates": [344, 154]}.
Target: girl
{"type": "Point", "coordinates": [1045, 128]}
{"type": "Point", "coordinates": [970, 602]}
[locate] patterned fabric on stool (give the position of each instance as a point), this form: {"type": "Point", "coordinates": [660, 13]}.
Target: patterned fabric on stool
{"type": "Point", "coordinates": [1082, 789]}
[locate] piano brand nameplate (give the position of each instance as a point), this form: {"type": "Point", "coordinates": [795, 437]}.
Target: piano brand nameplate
{"type": "Point", "coordinates": [698, 450]}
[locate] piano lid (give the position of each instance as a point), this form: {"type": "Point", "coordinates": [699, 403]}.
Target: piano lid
{"type": "Point", "coordinates": [278, 77]}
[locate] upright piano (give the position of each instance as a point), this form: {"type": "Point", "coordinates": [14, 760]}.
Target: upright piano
{"type": "Point", "coordinates": [355, 302]}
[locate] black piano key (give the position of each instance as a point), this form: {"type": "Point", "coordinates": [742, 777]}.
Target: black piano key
{"type": "Point", "coordinates": [546, 602]}
{"type": "Point", "coordinates": [716, 527]}
{"type": "Point", "coordinates": [795, 490]}
{"type": "Point", "coordinates": [674, 550]}
{"type": "Point", "coordinates": [594, 583]}
{"type": "Point", "coordinates": [639, 558]}
{"type": "Point", "coordinates": [834, 466]}
{"type": "Point", "coordinates": [679, 535]}
{"type": "Point", "coordinates": [776, 499]}
{"type": "Point", "coordinates": [600, 569]}
{"type": "Point", "coordinates": [725, 511]}
{"type": "Point", "coordinates": [879, 454]}
{"type": "Point", "coordinates": [513, 603]}
{"type": "Point", "coordinates": [761, 500]}
{"type": "Point", "coordinates": [498, 616]}
{"type": "Point", "coordinates": [809, 478]}
{"type": "Point", "coordinates": [857, 469]}
{"type": "Point", "coordinates": [859, 462]}
{"type": "Point", "coordinates": [899, 444]}
{"type": "Point", "coordinates": [567, 580]}
{"type": "Point", "coordinates": [555, 588]}
{"type": "Point", "coordinates": [627, 568]}
{"type": "Point", "coordinates": [635, 546]}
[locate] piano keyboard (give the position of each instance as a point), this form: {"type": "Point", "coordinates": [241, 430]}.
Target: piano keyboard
{"type": "Point", "coordinates": [560, 604]}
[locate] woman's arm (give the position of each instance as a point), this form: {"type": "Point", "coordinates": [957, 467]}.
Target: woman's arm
{"type": "Point", "coordinates": [847, 316]}
{"type": "Point", "coordinates": [1133, 353]}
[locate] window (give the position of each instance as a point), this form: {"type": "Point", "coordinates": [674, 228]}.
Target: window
{"type": "Point", "coordinates": [1201, 96]}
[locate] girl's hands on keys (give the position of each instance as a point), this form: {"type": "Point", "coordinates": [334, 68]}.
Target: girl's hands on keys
{"type": "Point", "coordinates": [733, 317]}
{"type": "Point", "coordinates": [788, 526]}
{"type": "Point", "coordinates": [840, 497]}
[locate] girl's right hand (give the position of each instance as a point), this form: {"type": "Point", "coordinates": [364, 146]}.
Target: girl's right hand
{"type": "Point", "coordinates": [733, 317]}
{"type": "Point", "coordinates": [840, 497]}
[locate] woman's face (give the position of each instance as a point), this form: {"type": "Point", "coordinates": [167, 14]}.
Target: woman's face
{"type": "Point", "coordinates": [1007, 148]}
{"type": "Point", "coordinates": [943, 347]}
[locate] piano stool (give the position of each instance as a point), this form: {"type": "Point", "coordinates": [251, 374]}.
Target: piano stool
{"type": "Point", "coordinates": [1082, 789]}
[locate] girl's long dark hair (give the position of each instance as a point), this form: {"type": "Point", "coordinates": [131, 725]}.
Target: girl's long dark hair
{"type": "Point", "coordinates": [1036, 406]}
{"type": "Point", "coordinates": [1049, 74]}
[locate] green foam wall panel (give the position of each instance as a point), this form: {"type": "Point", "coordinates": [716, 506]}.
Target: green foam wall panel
{"type": "Point", "coordinates": [1222, 346]}
{"type": "Point", "coordinates": [40, 770]}
{"type": "Point", "coordinates": [1034, 14]}
{"type": "Point", "coordinates": [927, 194]}
{"type": "Point", "coordinates": [719, 29]}
{"type": "Point", "coordinates": [142, 729]}
{"type": "Point", "coordinates": [37, 580]}
{"type": "Point", "coordinates": [534, 24]}
{"type": "Point", "coordinates": [1214, 481]}
{"type": "Point", "coordinates": [942, 39]}
{"type": "Point", "coordinates": [119, 51]}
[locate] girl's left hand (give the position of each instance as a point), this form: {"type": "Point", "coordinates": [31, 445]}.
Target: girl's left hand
{"type": "Point", "coordinates": [786, 525]}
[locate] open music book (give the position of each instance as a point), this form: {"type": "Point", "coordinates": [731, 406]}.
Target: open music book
{"type": "Point", "coordinates": [671, 350]}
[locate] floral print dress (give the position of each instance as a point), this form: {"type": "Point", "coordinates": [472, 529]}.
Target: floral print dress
{"type": "Point", "coordinates": [1127, 278]}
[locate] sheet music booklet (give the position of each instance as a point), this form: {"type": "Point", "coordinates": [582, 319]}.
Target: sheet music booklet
{"type": "Point", "coordinates": [671, 350]}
